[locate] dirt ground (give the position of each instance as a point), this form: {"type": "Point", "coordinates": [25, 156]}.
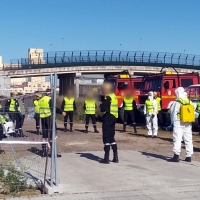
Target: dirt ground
{"type": "Point", "coordinates": [77, 141]}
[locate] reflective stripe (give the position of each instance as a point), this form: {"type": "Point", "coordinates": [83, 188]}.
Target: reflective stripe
{"type": "Point", "coordinates": [69, 104]}
{"type": "Point", "coordinates": [107, 144]}
{"type": "Point", "coordinates": [113, 143]}
{"type": "Point", "coordinates": [149, 106]}
{"type": "Point", "coordinates": [128, 104]}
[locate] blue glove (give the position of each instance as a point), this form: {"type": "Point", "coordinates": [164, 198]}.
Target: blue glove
{"type": "Point", "coordinates": [170, 126]}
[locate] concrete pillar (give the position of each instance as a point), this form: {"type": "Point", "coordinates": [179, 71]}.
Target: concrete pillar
{"type": "Point", "coordinates": [77, 79]}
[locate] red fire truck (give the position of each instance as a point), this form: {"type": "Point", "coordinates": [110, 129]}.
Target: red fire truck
{"type": "Point", "coordinates": [121, 82]}
{"type": "Point", "coordinates": [165, 83]}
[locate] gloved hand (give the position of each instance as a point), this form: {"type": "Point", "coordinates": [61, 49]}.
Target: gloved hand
{"type": "Point", "coordinates": [169, 127]}
{"type": "Point", "coordinates": [153, 116]}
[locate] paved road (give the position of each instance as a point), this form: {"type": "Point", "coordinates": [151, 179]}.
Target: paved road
{"type": "Point", "coordinates": [139, 175]}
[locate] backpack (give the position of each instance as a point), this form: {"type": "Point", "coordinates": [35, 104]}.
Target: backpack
{"type": "Point", "coordinates": [187, 114]}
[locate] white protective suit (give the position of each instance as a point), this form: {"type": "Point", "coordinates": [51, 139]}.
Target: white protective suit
{"type": "Point", "coordinates": [181, 130]}
{"type": "Point", "coordinates": [152, 122]}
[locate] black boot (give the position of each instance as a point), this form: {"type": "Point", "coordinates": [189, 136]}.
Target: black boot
{"type": "Point", "coordinates": [174, 159]}
{"type": "Point", "coordinates": [38, 131]}
{"type": "Point", "coordinates": [86, 130]}
{"type": "Point", "coordinates": [124, 128]}
{"type": "Point", "coordinates": [106, 156]}
{"type": "Point", "coordinates": [188, 159]}
{"type": "Point", "coordinates": [134, 127]}
{"type": "Point", "coordinates": [95, 129]}
{"type": "Point", "coordinates": [115, 157]}
{"type": "Point", "coordinates": [21, 134]}
{"type": "Point", "coordinates": [65, 129]}
{"type": "Point", "coordinates": [71, 125]}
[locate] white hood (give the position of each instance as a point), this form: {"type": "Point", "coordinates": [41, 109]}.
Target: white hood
{"type": "Point", "coordinates": [180, 92]}
{"type": "Point", "coordinates": [150, 96]}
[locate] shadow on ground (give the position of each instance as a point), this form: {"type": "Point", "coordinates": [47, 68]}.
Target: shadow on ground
{"type": "Point", "coordinates": [154, 155]}
{"type": "Point", "coordinates": [89, 156]}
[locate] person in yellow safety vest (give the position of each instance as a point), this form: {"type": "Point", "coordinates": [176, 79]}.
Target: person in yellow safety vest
{"type": "Point", "coordinates": [11, 107]}
{"type": "Point", "coordinates": [37, 112]}
{"type": "Point", "coordinates": [45, 116]}
{"type": "Point", "coordinates": [110, 108]}
{"type": "Point", "coordinates": [19, 122]}
{"type": "Point", "coordinates": [159, 106]}
{"type": "Point", "coordinates": [198, 111]}
{"type": "Point", "coordinates": [2, 122]}
{"type": "Point", "coordinates": [90, 107]}
{"type": "Point", "coordinates": [150, 111]}
{"type": "Point", "coordinates": [129, 105]}
{"type": "Point", "coordinates": [181, 130]}
{"type": "Point", "coordinates": [68, 107]}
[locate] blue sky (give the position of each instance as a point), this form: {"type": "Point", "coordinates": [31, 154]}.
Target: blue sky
{"type": "Point", "coordinates": [167, 25]}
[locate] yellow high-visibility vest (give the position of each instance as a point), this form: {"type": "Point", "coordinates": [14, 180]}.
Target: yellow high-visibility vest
{"type": "Point", "coordinates": [149, 106]}
{"type": "Point", "coordinates": [12, 107]}
{"type": "Point", "coordinates": [69, 104]}
{"type": "Point", "coordinates": [2, 119]}
{"type": "Point", "coordinates": [198, 106]}
{"type": "Point", "coordinates": [128, 104]}
{"type": "Point", "coordinates": [45, 110]}
{"type": "Point", "coordinates": [90, 107]}
{"type": "Point", "coordinates": [113, 105]}
{"type": "Point", "coordinates": [158, 99]}
{"type": "Point", "coordinates": [36, 106]}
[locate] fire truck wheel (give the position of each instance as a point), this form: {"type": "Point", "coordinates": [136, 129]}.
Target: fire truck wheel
{"type": "Point", "coordinates": [121, 115]}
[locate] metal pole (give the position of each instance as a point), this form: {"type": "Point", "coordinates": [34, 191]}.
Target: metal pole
{"type": "Point", "coordinates": [54, 151]}
{"type": "Point", "coordinates": [54, 130]}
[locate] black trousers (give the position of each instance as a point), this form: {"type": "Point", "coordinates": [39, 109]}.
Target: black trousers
{"type": "Point", "coordinates": [199, 122]}
{"type": "Point", "coordinates": [1, 132]}
{"type": "Point", "coordinates": [19, 121]}
{"type": "Point", "coordinates": [160, 118]}
{"type": "Point", "coordinates": [70, 115]}
{"type": "Point", "coordinates": [46, 126]}
{"type": "Point", "coordinates": [129, 114]}
{"type": "Point", "coordinates": [87, 119]}
{"type": "Point", "coordinates": [12, 116]}
{"type": "Point", "coordinates": [37, 120]}
{"type": "Point", "coordinates": [108, 128]}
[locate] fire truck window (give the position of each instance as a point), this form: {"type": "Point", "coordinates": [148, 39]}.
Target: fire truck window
{"type": "Point", "coordinates": [186, 82]}
{"type": "Point", "coordinates": [122, 85]}
{"type": "Point", "coordinates": [169, 84]}
{"type": "Point", "coordinates": [137, 85]}
{"type": "Point", "coordinates": [152, 84]}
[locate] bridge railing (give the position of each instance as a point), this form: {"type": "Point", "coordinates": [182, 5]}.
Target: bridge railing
{"type": "Point", "coordinates": [71, 58]}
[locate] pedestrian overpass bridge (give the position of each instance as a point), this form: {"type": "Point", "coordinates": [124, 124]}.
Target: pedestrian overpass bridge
{"type": "Point", "coordinates": [71, 65]}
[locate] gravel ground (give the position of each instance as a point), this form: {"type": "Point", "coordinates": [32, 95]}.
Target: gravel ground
{"type": "Point", "coordinates": [79, 141]}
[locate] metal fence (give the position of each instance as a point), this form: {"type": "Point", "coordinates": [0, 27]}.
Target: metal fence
{"type": "Point", "coordinates": [95, 58]}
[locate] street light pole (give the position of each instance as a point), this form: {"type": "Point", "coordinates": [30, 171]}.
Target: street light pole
{"type": "Point", "coordinates": [62, 44]}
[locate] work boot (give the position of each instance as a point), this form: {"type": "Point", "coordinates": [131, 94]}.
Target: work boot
{"type": "Point", "coordinates": [96, 131]}
{"type": "Point", "coordinates": [86, 130]}
{"type": "Point", "coordinates": [134, 127]}
{"type": "Point", "coordinates": [38, 131]}
{"type": "Point", "coordinates": [174, 159]}
{"type": "Point", "coordinates": [115, 158]}
{"type": "Point", "coordinates": [105, 160]}
{"type": "Point", "coordinates": [188, 159]}
{"type": "Point", "coordinates": [71, 125]}
{"type": "Point", "coordinates": [124, 128]}
{"type": "Point", "coordinates": [65, 129]}
{"type": "Point", "coordinates": [21, 134]}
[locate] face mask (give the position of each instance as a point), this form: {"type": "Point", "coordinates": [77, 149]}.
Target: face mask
{"type": "Point", "coordinates": [150, 97]}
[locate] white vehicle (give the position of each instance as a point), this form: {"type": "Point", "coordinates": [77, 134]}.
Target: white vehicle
{"type": "Point", "coordinates": [8, 126]}
{"type": "Point", "coordinates": [193, 92]}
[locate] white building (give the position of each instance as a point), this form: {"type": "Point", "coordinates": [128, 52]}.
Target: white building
{"type": "Point", "coordinates": [36, 56]}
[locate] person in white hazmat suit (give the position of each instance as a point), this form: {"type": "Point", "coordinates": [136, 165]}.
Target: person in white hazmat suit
{"type": "Point", "coordinates": [181, 130]}
{"type": "Point", "coordinates": [150, 111]}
